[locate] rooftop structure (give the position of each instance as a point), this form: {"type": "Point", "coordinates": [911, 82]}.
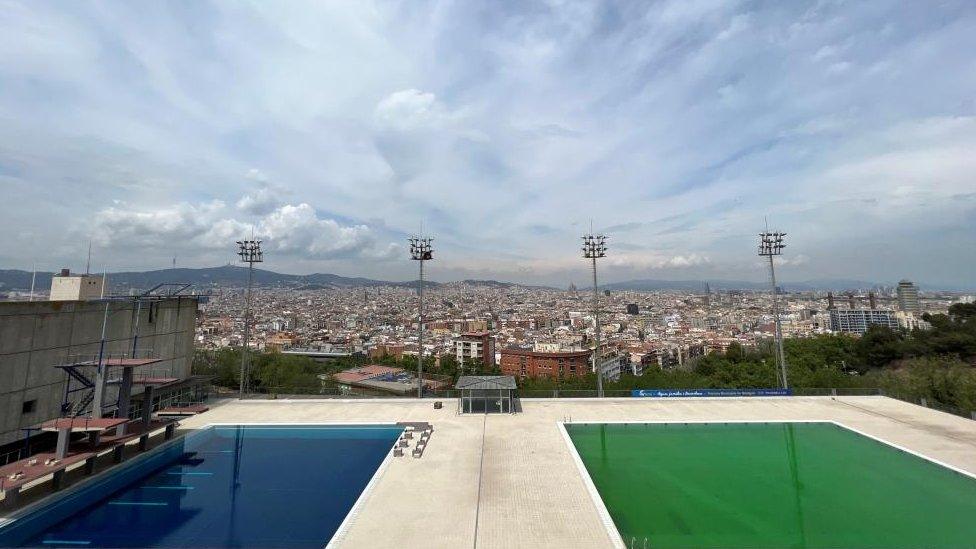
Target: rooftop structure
{"type": "Point", "coordinates": [68, 287]}
{"type": "Point", "coordinates": [486, 394]}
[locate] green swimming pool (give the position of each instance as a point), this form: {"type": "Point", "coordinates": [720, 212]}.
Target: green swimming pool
{"type": "Point", "coordinates": [772, 485]}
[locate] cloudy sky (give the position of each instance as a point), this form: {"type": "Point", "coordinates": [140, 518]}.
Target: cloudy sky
{"type": "Point", "coordinates": [334, 130]}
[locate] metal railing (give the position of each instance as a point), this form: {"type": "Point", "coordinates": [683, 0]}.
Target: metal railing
{"type": "Point", "coordinates": [328, 392]}
{"type": "Point", "coordinates": [359, 393]}
{"type": "Point", "coordinates": [932, 404]}
{"type": "Point", "coordinates": [837, 391]}
{"type": "Point", "coordinates": [13, 455]}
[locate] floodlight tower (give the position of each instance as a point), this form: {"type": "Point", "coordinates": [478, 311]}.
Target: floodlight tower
{"type": "Point", "coordinates": [770, 245]}
{"type": "Point", "coordinates": [421, 250]}
{"type": "Point", "coordinates": [595, 247]}
{"type": "Point", "coordinates": [250, 253]}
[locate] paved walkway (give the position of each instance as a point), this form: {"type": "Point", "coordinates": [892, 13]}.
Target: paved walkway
{"type": "Point", "coordinates": [525, 491]}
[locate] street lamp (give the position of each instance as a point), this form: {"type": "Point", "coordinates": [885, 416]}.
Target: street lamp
{"type": "Point", "coordinates": [771, 244]}
{"type": "Point", "coordinates": [420, 250]}
{"type": "Point", "coordinates": [250, 253]}
{"type": "Point", "coordinates": [595, 247]}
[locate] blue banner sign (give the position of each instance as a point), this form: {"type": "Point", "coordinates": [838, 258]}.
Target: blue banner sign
{"type": "Point", "coordinates": [710, 392]}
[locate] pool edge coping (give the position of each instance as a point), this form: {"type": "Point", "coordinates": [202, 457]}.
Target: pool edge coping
{"type": "Point", "coordinates": [611, 529]}
{"type": "Point", "coordinates": [604, 513]}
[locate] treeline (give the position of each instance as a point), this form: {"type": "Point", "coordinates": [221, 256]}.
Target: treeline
{"type": "Point", "coordinates": [277, 373]}
{"type": "Point", "coordinates": [269, 372]}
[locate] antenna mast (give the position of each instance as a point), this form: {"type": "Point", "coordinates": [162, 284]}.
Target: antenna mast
{"type": "Point", "coordinates": [595, 247]}
{"type": "Point", "coordinates": [421, 251]}
{"type": "Point", "coordinates": [33, 279]}
{"type": "Point", "coordinates": [770, 245]}
{"type": "Point", "coordinates": [250, 253]}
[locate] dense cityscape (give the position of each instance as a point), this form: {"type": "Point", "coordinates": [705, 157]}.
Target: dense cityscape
{"type": "Point", "coordinates": [644, 329]}
{"type": "Point", "coordinates": [528, 331]}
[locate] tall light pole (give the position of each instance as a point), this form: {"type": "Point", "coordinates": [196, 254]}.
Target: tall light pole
{"type": "Point", "coordinates": [420, 250]}
{"type": "Point", "coordinates": [595, 247]}
{"type": "Point", "coordinates": [250, 253]}
{"type": "Point", "coordinates": [770, 245]}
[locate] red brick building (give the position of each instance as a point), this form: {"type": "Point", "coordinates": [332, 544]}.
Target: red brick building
{"type": "Point", "coordinates": [523, 363]}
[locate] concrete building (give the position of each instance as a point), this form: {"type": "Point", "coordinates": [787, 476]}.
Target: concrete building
{"type": "Point", "coordinates": [615, 361]}
{"type": "Point", "coordinates": [475, 346]}
{"type": "Point", "coordinates": [38, 337]}
{"type": "Point", "coordinates": [68, 287]}
{"type": "Point", "coordinates": [910, 321]}
{"type": "Point", "coordinates": [857, 321]}
{"type": "Point", "coordinates": [908, 297]}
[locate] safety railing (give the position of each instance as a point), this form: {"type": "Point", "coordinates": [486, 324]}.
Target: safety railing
{"type": "Point", "coordinates": [362, 393]}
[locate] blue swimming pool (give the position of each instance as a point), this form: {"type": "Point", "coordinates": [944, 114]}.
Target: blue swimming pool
{"type": "Point", "coordinates": [225, 486]}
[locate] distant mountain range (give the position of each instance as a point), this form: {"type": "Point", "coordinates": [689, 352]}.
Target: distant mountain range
{"type": "Point", "coordinates": [234, 275]}
{"type": "Point", "coordinates": [227, 275]}
{"type": "Point", "coordinates": [716, 285]}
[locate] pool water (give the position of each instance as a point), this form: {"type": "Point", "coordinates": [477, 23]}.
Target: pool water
{"type": "Point", "coordinates": [772, 485]}
{"type": "Point", "coordinates": [237, 486]}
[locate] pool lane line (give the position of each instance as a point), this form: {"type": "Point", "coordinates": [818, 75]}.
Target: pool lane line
{"type": "Point", "coordinates": [65, 542]}
{"type": "Point", "coordinates": [139, 503]}
{"type": "Point", "coordinates": [169, 487]}
{"type": "Point", "coordinates": [481, 468]}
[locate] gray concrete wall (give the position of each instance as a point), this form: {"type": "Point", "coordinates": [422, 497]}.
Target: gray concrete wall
{"type": "Point", "coordinates": [36, 337]}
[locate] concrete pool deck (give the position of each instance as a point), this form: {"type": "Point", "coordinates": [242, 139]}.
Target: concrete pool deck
{"type": "Point", "coordinates": [511, 481]}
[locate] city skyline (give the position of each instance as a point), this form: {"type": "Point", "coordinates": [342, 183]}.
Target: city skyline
{"type": "Point", "coordinates": [335, 131]}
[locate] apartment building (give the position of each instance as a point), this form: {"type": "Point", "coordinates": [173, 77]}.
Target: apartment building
{"type": "Point", "coordinates": [475, 346]}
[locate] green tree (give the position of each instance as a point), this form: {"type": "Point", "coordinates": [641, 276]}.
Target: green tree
{"type": "Point", "coordinates": [878, 347]}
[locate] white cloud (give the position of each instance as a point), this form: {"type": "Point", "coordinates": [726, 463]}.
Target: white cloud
{"type": "Point", "coordinates": [295, 231]}
{"type": "Point", "coordinates": [264, 198]}
{"type": "Point", "coordinates": [410, 109]}
{"type": "Point", "coordinates": [794, 261]}
{"type": "Point", "coordinates": [181, 223]}
{"type": "Point", "coordinates": [298, 230]}
{"type": "Point", "coordinates": [503, 127]}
